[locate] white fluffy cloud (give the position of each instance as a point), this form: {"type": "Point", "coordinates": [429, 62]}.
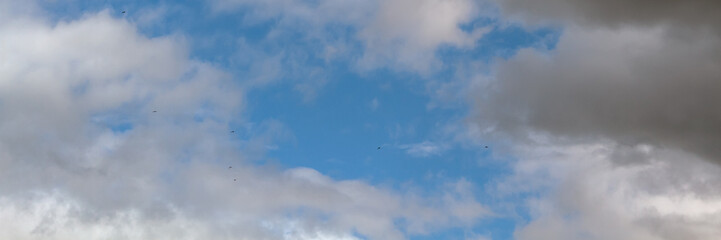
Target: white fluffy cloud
{"type": "Point", "coordinates": [82, 154]}
{"type": "Point", "coordinates": [587, 195]}
{"type": "Point", "coordinates": [400, 34]}
{"type": "Point", "coordinates": [406, 33]}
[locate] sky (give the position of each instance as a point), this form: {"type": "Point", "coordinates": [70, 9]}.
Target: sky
{"type": "Point", "coordinates": [360, 119]}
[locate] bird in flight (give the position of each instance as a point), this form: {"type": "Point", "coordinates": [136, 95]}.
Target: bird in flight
{"type": "Point", "coordinates": [229, 167]}
{"type": "Point", "coordinates": [123, 12]}
{"type": "Point", "coordinates": [379, 148]}
{"type": "Point", "coordinates": [232, 131]}
{"type": "Point", "coordinates": [235, 179]}
{"type": "Point", "coordinates": [155, 111]}
{"type": "Point", "coordinates": [486, 146]}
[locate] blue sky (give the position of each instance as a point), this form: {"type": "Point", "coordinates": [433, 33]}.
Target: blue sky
{"type": "Point", "coordinates": [495, 120]}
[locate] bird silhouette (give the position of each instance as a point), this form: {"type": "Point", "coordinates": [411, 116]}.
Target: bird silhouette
{"type": "Point", "coordinates": [486, 147]}
{"type": "Point", "coordinates": [123, 12]}
{"type": "Point", "coordinates": [155, 111]}
{"type": "Point", "coordinates": [379, 148]}
{"type": "Point", "coordinates": [229, 167]}
{"type": "Point", "coordinates": [232, 131]}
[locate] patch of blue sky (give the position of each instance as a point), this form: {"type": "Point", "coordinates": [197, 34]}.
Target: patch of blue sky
{"type": "Point", "coordinates": [339, 132]}
{"type": "Point", "coordinates": [61, 11]}
{"type": "Point", "coordinates": [117, 123]}
{"type": "Point", "coordinates": [490, 228]}
{"type": "Point", "coordinates": [505, 41]}
{"type": "Point", "coordinates": [502, 41]}
{"type": "Point", "coordinates": [121, 127]}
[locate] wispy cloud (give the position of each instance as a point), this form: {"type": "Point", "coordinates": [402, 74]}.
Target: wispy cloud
{"type": "Point", "coordinates": [397, 34]}
{"type": "Point", "coordinates": [424, 149]}
{"type": "Point", "coordinates": [374, 104]}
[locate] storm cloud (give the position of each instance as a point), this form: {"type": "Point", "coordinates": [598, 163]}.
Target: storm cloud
{"type": "Point", "coordinates": [649, 80]}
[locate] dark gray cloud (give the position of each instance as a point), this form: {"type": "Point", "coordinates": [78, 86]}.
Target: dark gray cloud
{"type": "Point", "coordinates": [651, 83]}
{"type": "Point", "coordinates": [693, 13]}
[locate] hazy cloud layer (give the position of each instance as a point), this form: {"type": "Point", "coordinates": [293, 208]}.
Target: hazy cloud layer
{"type": "Point", "coordinates": [82, 154]}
